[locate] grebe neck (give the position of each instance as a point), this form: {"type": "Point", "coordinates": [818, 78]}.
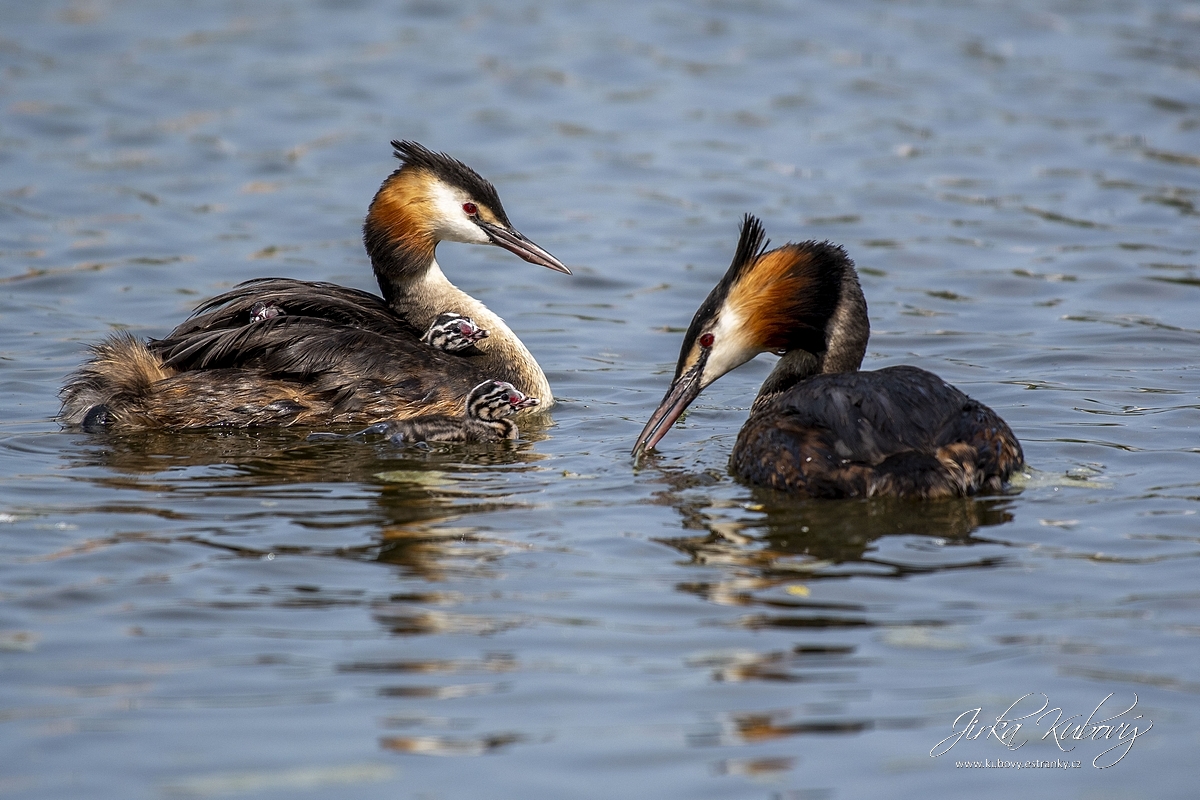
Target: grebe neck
{"type": "Point", "coordinates": [420, 301]}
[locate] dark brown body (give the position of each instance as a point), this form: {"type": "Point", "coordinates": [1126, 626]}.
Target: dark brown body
{"type": "Point", "coordinates": [338, 356]}
{"type": "Point", "coordinates": [898, 431]}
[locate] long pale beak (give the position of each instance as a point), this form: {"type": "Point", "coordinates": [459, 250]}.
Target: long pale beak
{"type": "Point", "coordinates": [683, 391]}
{"type": "Point", "coordinates": [515, 242]}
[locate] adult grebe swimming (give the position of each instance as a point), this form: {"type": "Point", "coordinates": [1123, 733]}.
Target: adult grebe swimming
{"type": "Point", "coordinates": [278, 352]}
{"type": "Point", "coordinates": [819, 427]}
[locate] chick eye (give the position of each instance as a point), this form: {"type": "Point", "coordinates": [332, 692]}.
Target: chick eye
{"type": "Point", "coordinates": [707, 340]}
{"type": "Point", "coordinates": [471, 209]}
{"type": "Point", "coordinates": [464, 329]}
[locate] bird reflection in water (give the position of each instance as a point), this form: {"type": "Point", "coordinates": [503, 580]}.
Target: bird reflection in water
{"type": "Point", "coordinates": [270, 457]}
{"type": "Point", "coordinates": [411, 514]}
{"type": "Point", "coordinates": [754, 728]}
{"type": "Point", "coordinates": [450, 746]}
{"type": "Point", "coordinates": [779, 541]}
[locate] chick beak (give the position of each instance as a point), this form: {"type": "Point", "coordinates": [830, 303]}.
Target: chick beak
{"type": "Point", "coordinates": [473, 334]}
{"type": "Point", "coordinates": [515, 242]}
{"type": "Point", "coordinates": [683, 391]}
{"type": "Point", "coordinates": [520, 401]}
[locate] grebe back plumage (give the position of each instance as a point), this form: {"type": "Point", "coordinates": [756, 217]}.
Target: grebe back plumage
{"type": "Point", "coordinates": [335, 354]}
{"type": "Point", "coordinates": [818, 426]}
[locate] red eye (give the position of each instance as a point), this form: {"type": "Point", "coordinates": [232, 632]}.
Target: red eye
{"type": "Point", "coordinates": [706, 340]}
{"type": "Point", "coordinates": [471, 209]}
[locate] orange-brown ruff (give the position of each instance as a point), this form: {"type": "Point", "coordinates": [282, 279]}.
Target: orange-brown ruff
{"type": "Point", "coordinates": [819, 427]}
{"type": "Point", "coordinates": [328, 354]}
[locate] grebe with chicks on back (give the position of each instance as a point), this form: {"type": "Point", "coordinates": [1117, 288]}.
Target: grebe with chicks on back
{"type": "Point", "coordinates": [280, 352]}
{"type": "Point", "coordinates": [818, 426]}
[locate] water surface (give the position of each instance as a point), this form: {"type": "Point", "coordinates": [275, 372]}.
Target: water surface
{"type": "Point", "coordinates": [236, 614]}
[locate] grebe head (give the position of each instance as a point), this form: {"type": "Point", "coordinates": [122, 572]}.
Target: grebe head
{"type": "Point", "coordinates": [431, 198]}
{"type": "Point", "coordinates": [453, 333]}
{"type": "Point", "coordinates": [802, 300]}
{"type": "Point", "coordinates": [492, 400]}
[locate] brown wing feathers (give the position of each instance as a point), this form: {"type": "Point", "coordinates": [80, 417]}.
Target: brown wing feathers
{"type": "Point", "coordinates": [900, 431]}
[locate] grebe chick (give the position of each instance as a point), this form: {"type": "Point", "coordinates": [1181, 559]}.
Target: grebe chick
{"type": "Point", "coordinates": [261, 311]}
{"type": "Point", "coordinates": [453, 333]}
{"type": "Point", "coordinates": [279, 352]}
{"type": "Point", "coordinates": [486, 418]}
{"type": "Point", "coordinates": [819, 427]}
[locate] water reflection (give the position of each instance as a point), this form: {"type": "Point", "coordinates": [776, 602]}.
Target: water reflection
{"type": "Point", "coordinates": [779, 543]}
{"type": "Point", "coordinates": [807, 663]}
{"type": "Point", "coordinates": [409, 503]}
{"type": "Point", "coordinates": [447, 746]}
{"type": "Point", "coordinates": [754, 728]}
{"type": "Point", "coordinates": [270, 457]}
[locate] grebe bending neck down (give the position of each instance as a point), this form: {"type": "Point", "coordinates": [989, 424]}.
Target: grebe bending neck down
{"type": "Point", "coordinates": [279, 352]}
{"type": "Point", "coordinates": [819, 427]}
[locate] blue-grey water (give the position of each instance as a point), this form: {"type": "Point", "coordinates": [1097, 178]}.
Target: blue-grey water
{"type": "Point", "coordinates": [245, 614]}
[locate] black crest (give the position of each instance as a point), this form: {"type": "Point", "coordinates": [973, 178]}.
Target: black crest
{"type": "Point", "coordinates": [752, 243]}
{"type": "Point", "coordinates": [451, 171]}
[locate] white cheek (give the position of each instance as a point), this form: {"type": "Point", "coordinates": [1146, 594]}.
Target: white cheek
{"type": "Point", "coordinates": [452, 223]}
{"type": "Point", "coordinates": [730, 348]}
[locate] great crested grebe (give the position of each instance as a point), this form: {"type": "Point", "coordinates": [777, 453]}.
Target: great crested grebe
{"type": "Point", "coordinates": [486, 418]}
{"type": "Point", "coordinates": [819, 427]}
{"type": "Point", "coordinates": [279, 352]}
{"type": "Point", "coordinates": [453, 333]}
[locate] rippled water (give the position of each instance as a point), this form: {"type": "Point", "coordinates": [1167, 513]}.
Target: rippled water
{"type": "Point", "coordinates": [249, 614]}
